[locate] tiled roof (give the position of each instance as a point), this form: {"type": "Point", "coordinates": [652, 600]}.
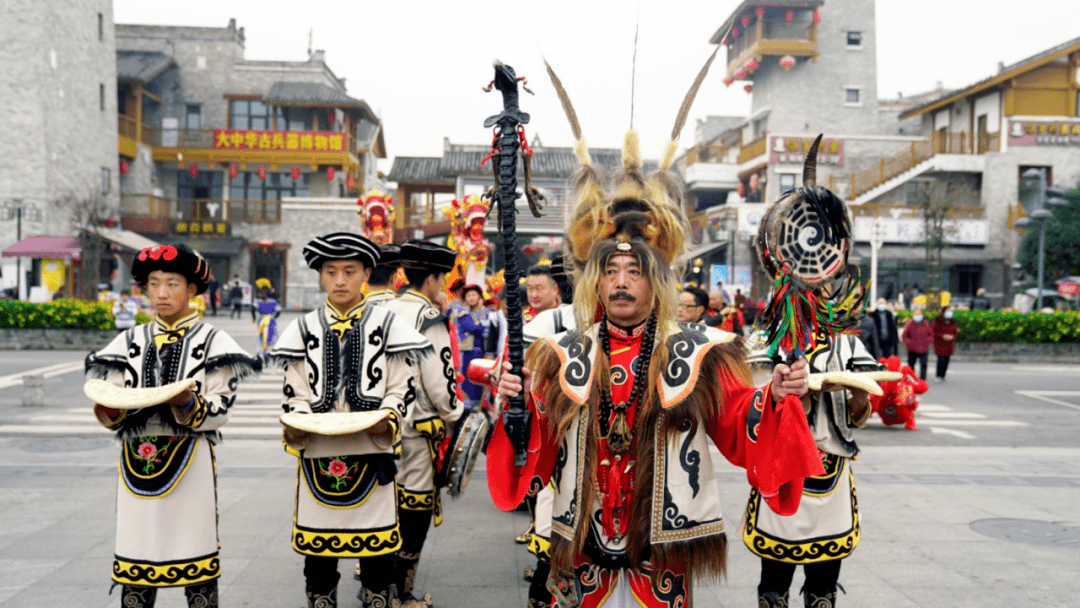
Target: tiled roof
{"type": "Point", "coordinates": [313, 94]}
{"type": "Point", "coordinates": [417, 169]}
{"type": "Point", "coordinates": [140, 66]}
{"type": "Point", "coordinates": [546, 162]}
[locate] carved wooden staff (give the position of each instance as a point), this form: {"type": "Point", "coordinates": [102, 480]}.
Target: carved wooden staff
{"type": "Point", "coordinates": [515, 416]}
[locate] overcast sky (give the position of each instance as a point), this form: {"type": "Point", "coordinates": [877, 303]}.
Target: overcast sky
{"type": "Point", "coordinates": [421, 64]}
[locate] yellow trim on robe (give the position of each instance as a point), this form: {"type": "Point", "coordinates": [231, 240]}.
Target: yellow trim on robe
{"type": "Point", "coordinates": [343, 543]}
{"type": "Point", "coordinates": [166, 574]}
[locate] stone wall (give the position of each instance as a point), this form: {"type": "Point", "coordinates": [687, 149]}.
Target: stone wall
{"type": "Point", "coordinates": [84, 340]}
{"type": "Point", "coordinates": [1012, 352]}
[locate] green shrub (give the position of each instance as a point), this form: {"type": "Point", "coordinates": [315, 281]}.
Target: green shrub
{"type": "Point", "coordinates": [1010, 326]}
{"type": "Point", "coordinates": [58, 314]}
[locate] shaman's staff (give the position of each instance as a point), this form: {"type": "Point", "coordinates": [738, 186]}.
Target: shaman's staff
{"type": "Point", "coordinates": [509, 141]}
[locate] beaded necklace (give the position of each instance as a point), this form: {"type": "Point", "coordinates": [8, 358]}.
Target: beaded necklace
{"type": "Point", "coordinates": [618, 432]}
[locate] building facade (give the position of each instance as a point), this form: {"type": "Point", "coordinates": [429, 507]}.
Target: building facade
{"type": "Point", "coordinates": [211, 144]}
{"type": "Point", "coordinates": [58, 83]}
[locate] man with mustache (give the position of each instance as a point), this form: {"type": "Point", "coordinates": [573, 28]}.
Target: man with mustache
{"type": "Point", "coordinates": [627, 404]}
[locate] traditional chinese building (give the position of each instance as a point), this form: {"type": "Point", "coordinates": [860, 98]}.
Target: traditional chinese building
{"type": "Point", "coordinates": [211, 144]}
{"type": "Point", "coordinates": [426, 184]}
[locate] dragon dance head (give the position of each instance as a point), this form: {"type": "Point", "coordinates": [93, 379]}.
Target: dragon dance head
{"type": "Point", "coordinates": [467, 219]}
{"type": "Point", "coordinates": [376, 213]}
{"type": "Point", "coordinates": [635, 213]}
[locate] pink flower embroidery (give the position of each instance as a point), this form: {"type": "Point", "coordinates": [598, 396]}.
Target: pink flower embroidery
{"type": "Point", "coordinates": [147, 451]}
{"type": "Point", "coordinates": [337, 468]}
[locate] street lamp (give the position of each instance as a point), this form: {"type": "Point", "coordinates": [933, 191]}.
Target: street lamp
{"type": "Point", "coordinates": [15, 208]}
{"type": "Point", "coordinates": [1035, 196]}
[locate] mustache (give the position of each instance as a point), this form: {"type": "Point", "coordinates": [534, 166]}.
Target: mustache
{"type": "Point", "coordinates": [622, 295]}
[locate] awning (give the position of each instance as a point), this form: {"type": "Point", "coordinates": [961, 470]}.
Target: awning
{"type": "Point", "coordinates": [949, 255]}
{"type": "Point", "coordinates": [45, 247]}
{"type": "Point", "coordinates": [128, 240]}
{"type": "Point", "coordinates": [703, 250]}
{"type": "Point", "coordinates": [217, 247]}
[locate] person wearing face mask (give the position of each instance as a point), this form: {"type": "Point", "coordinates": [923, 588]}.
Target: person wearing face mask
{"type": "Point", "coordinates": [917, 337]}
{"type": "Point", "coordinates": [885, 322]}
{"type": "Point", "coordinates": [945, 333]}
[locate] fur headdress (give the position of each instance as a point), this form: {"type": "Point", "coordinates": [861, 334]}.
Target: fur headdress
{"type": "Point", "coordinates": [645, 211]}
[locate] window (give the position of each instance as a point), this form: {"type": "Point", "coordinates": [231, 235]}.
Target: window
{"type": "Point", "coordinates": [106, 180]}
{"type": "Point", "coordinates": [101, 96]}
{"type": "Point", "coordinates": [193, 114]}
{"type": "Point", "coordinates": [852, 96]}
{"type": "Point", "coordinates": [248, 187]}
{"type": "Point", "coordinates": [249, 114]}
{"type": "Point", "coordinates": [292, 119]}
{"type": "Point", "coordinates": [787, 182]}
{"type": "Point", "coordinates": [101, 27]}
{"type": "Point", "coordinates": [854, 40]}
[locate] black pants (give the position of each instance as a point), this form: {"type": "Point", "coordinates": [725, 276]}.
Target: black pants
{"type": "Point", "coordinates": [821, 577]}
{"type": "Point", "coordinates": [942, 366]}
{"type": "Point", "coordinates": [235, 310]}
{"type": "Point", "coordinates": [922, 358]}
{"type": "Point", "coordinates": [321, 573]}
{"type": "Point", "coordinates": [414, 530]}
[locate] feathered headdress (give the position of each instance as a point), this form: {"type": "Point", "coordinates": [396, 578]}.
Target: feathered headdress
{"type": "Point", "coordinates": [643, 211]}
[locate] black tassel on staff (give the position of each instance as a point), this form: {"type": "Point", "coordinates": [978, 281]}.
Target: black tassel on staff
{"type": "Point", "coordinates": [505, 155]}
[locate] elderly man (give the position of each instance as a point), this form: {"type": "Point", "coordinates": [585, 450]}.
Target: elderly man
{"type": "Point", "coordinates": [628, 402]}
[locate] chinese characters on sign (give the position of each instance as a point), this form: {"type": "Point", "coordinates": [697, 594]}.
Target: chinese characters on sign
{"type": "Point", "coordinates": [792, 150]}
{"type": "Point", "coordinates": [288, 141]}
{"type": "Point", "coordinates": [201, 227]}
{"type": "Point", "coordinates": [911, 230]}
{"type": "Point", "coordinates": [1060, 132]}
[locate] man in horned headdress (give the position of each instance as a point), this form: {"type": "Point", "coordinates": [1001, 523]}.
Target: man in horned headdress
{"type": "Point", "coordinates": [166, 505]}
{"type": "Point", "coordinates": [629, 400]}
{"type": "Point", "coordinates": [434, 405]}
{"type": "Point", "coordinates": [347, 357]}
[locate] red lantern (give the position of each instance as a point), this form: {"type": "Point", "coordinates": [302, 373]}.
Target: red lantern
{"type": "Point", "coordinates": [110, 222]}
{"type": "Point", "coordinates": [745, 21]}
{"type": "Point", "coordinates": [817, 17]}
{"type": "Point", "coordinates": [193, 170]}
{"type": "Point", "coordinates": [295, 173]}
{"type": "Point", "coordinates": [349, 181]}
{"type": "Point", "coordinates": [787, 62]}
{"type": "Point", "coordinates": [261, 173]}
{"type": "Point", "coordinates": [752, 65]}
{"type": "Point", "coordinates": [789, 16]}
{"type": "Point", "coordinates": [233, 171]}
{"type": "Point", "coordinates": [728, 80]}
{"type": "Point", "coordinates": [735, 33]}
{"type": "Point", "coordinates": [741, 189]}
{"type": "Point", "coordinates": [123, 167]}
{"type": "Point", "coordinates": [740, 73]}
{"type": "Point", "coordinates": [329, 174]}
{"type": "Point", "coordinates": [759, 11]}
{"type": "Point", "coordinates": [749, 88]}
{"type": "Point", "coordinates": [330, 117]}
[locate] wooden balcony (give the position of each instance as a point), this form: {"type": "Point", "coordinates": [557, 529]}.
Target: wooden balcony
{"type": "Point", "coordinates": [311, 148]}
{"type": "Point", "coordinates": [753, 149]}
{"type": "Point", "coordinates": [129, 133]}
{"type": "Point", "coordinates": [772, 37]}
{"type": "Point", "coordinates": [146, 206]}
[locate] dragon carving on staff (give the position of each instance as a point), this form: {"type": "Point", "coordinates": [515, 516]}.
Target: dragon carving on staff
{"type": "Point", "coordinates": [376, 213]}
{"type": "Point", "coordinates": [467, 219]}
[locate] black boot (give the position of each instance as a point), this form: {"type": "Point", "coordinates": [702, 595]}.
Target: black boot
{"type": "Point", "coordinates": [138, 597]}
{"type": "Point", "coordinates": [772, 599]}
{"type": "Point", "coordinates": [202, 595]}
{"type": "Point", "coordinates": [318, 600]}
{"type": "Point", "coordinates": [375, 599]}
{"type": "Point", "coordinates": [821, 599]}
